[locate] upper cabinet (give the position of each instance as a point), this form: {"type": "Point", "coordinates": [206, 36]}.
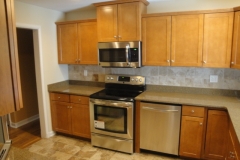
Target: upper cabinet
{"type": "Point", "coordinates": [235, 62]}
{"type": "Point", "coordinates": [187, 39]}
{"type": "Point", "coordinates": [156, 40]}
{"type": "Point", "coordinates": [217, 42]}
{"type": "Point", "coordinates": [10, 85]}
{"type": "Point", "coordinates": [120, 20]}
{"type": "Point", "coordinates": [77, 42]}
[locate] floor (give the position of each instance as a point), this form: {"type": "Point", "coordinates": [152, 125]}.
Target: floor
{"type": "Point", "coordinates": [61, 147]}
{"type": "Point", "coordinates": [27, 145]}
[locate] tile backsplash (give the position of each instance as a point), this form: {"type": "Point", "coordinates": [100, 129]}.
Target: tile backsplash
{"type": "Point", "coordinates": [168, 76]}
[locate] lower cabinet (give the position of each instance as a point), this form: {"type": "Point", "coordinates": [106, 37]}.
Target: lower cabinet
{"type": "Point", "coordinates": [70, 114]}
{"type": "Point", "coordinates": [207, 134]}
{"type": "Point", "coordinates": [216, 135]}
{"type": "Point", "coordinates": [192, 127]}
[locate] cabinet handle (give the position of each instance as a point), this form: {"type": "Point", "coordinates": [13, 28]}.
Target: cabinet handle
{"type": "Point", "coordinates": [172, 60]}
{"type": "Point", "coordinates": [205, 62]}
{"type": "Point", "coordinates": [192, 111]}
{"type": "Point", "coordinates": [232, 62]}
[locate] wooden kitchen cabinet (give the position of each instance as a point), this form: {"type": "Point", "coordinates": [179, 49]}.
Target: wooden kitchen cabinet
{"type": "Point", "coordinates": [187, 40]}
{"type": "Point", "coordinates": [217, 41]}
{"type": "Point", "coordinates": [77, 42]}
{"type": "Point", "coordinates": [120, 20]}
{"type": "Point", "coordinates": [70, 114]}
{"type": "Point", "coordinates": [192, 131]}
{"type": "Point", "coordinates": [216, 135]}
{"type": "Point", "coordinates": [235, 62]}
{"type": "Point", "coordinates": [10, 85]}
{"type": "Point", "coordinates": [156, 40]}
{"type": "Point", "coordinates": [172, 40]}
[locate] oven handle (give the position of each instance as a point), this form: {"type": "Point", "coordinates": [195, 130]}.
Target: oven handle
{"type": "Point", "coordinates": [111, 103]}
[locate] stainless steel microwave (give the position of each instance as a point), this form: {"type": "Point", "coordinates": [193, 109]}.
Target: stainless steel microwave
{"type": "Point", "coordinates": [120, 54]}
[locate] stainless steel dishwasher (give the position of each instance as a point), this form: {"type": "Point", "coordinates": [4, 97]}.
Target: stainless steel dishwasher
{"type": "Point", "coordinates": [160, 127]}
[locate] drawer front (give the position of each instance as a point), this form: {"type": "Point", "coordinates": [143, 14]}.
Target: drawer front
{"type": "Point", "coordinates": [193, 111]}
{"type": "Point", "coordinates": [79, 99]}
{"type": "Point", "coordinates": [59, 97]}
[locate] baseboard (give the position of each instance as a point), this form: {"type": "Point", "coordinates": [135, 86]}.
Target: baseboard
{"type": "Point", "coordinates": [23, 122]}
{"type": "Point", "coordinates": [49, 134]}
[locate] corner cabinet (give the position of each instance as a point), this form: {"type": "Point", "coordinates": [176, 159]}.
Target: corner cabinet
{"type": "Point", "coordinates": [77, 42]}
{"type": "Point", "coordinates": [120, 20]}
{"type": "Point", "coordinates": [216, 135]}
{"type": "Point", "coordinates": [10, 85]}
{"type": "Point", "coordinates": [70, 114]}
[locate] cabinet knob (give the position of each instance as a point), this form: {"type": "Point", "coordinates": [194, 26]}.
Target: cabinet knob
{"type": "Point", "coordinates": [192, 111]}
{"type": "Point", "coordinates": [168, 61]}
{"type": "Point", "coordinates": [70, 107]}
{"type": "Point", "coordinates": [115, 36]}
{"type": "Point", "coordinates": [59, 97]}
{"type": "Point", "coordinates": [204, 61]}
{"type": "Point", "coordinates": [232, 62]}
{"type": "Point", "coordinates": [79, 99]}
{"type": "Point", "coordinates": [67, 106]}
{"type": "Point", "coordinates": [200, 124]}
{"type": "Point", "coordinates": [119, 36]}
{"type": "Point", "coordinates": [172, 60]}
{"type": "Point", "coordinates": [76, 60]}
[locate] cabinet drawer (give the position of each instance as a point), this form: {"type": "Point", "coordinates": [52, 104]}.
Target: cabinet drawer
{"type": "Point", "coordinates": [193, 111]}
{"type": "Point", "coordinates": [79, 99]}
{"type": "Point", "coordinates": [59, 97]}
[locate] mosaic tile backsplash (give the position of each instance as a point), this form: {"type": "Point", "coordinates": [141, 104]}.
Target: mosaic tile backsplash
{"type": "Point", "coordinates": [167, 76]}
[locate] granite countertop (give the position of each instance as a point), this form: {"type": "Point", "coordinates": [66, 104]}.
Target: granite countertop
{"type": "Point", "coordinates": [232, 104]}
{"type": "Point", "coordinates": [76, 89]}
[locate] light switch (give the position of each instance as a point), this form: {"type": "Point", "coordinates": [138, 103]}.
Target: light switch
{"type": "Point", "coordinates": [213, 78]}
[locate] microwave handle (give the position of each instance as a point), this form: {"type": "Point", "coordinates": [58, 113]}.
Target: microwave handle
{"type": "Point", "coordinates": [127, 53]}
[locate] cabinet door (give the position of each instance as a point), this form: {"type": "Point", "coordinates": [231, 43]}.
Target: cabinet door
{"type": "Point", "coordinates": [80, 120]}
{"type": "Point", "coordinates": [156, 40]}
{"type": "Point", "coordinates": [87, 43]}
{"type": "Point", "coordinates": [235, 62]}
{"type": "Point", "coordinates": [61, 116]}
{"type": "Point", "coordinates": [129, 22]}
{"type": "Point", "coordinates": [107, 23]}
{"type": "Point", "coordinates": [216, 135]}
{"type": "Point", "coordinates": [231, 154]}
{"type": "Point", "coordinates": [191, 137]}
{"type": "Point", "coordinates": [187, 40]}
{"type": "Point", "coordinates": [10, 85]}
{"type": "Point", "coordinates": [217, 41]}
{"type": "Point", "coordinates": [67, 43]}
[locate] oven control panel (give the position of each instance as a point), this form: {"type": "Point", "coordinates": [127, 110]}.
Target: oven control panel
{"type": "Point", "coordinates": [125, 79]}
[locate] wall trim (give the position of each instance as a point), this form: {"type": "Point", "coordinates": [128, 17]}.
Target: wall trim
{"type": "Point", "coordinates": [23, 122]}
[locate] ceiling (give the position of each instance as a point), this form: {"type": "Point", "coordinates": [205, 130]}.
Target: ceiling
{"type": "Point", "coordinates": [65, 5]}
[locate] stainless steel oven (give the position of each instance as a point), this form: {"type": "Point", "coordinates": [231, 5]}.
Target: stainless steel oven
{"type": "Point", "coordinates": [112, 112]}
{"type": "Point", "coordinates": [112, 121]}
{"type": "Point", "coordinates": [120, 54]}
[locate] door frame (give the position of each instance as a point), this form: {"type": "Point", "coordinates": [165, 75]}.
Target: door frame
{"type": "Point", "coordinates": [41, 89]}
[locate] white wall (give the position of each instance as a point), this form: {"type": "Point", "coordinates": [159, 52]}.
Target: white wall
{"type": "Point", "coordinates": [44, 20]}
{"type": "Point", "coordinates": [163, 6]}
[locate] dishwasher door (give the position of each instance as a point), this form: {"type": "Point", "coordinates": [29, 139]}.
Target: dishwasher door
{"type": "Point", "coordinates": [160, 127]}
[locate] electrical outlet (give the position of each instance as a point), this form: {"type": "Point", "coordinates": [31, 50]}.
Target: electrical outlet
{"type": "Point", "coordinates": [213, 78]}
{"type": "Point", "coordinates": [85, 73]}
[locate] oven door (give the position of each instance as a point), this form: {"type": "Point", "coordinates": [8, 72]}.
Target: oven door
{"type": "Point", "coordinates": [112, 118]}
